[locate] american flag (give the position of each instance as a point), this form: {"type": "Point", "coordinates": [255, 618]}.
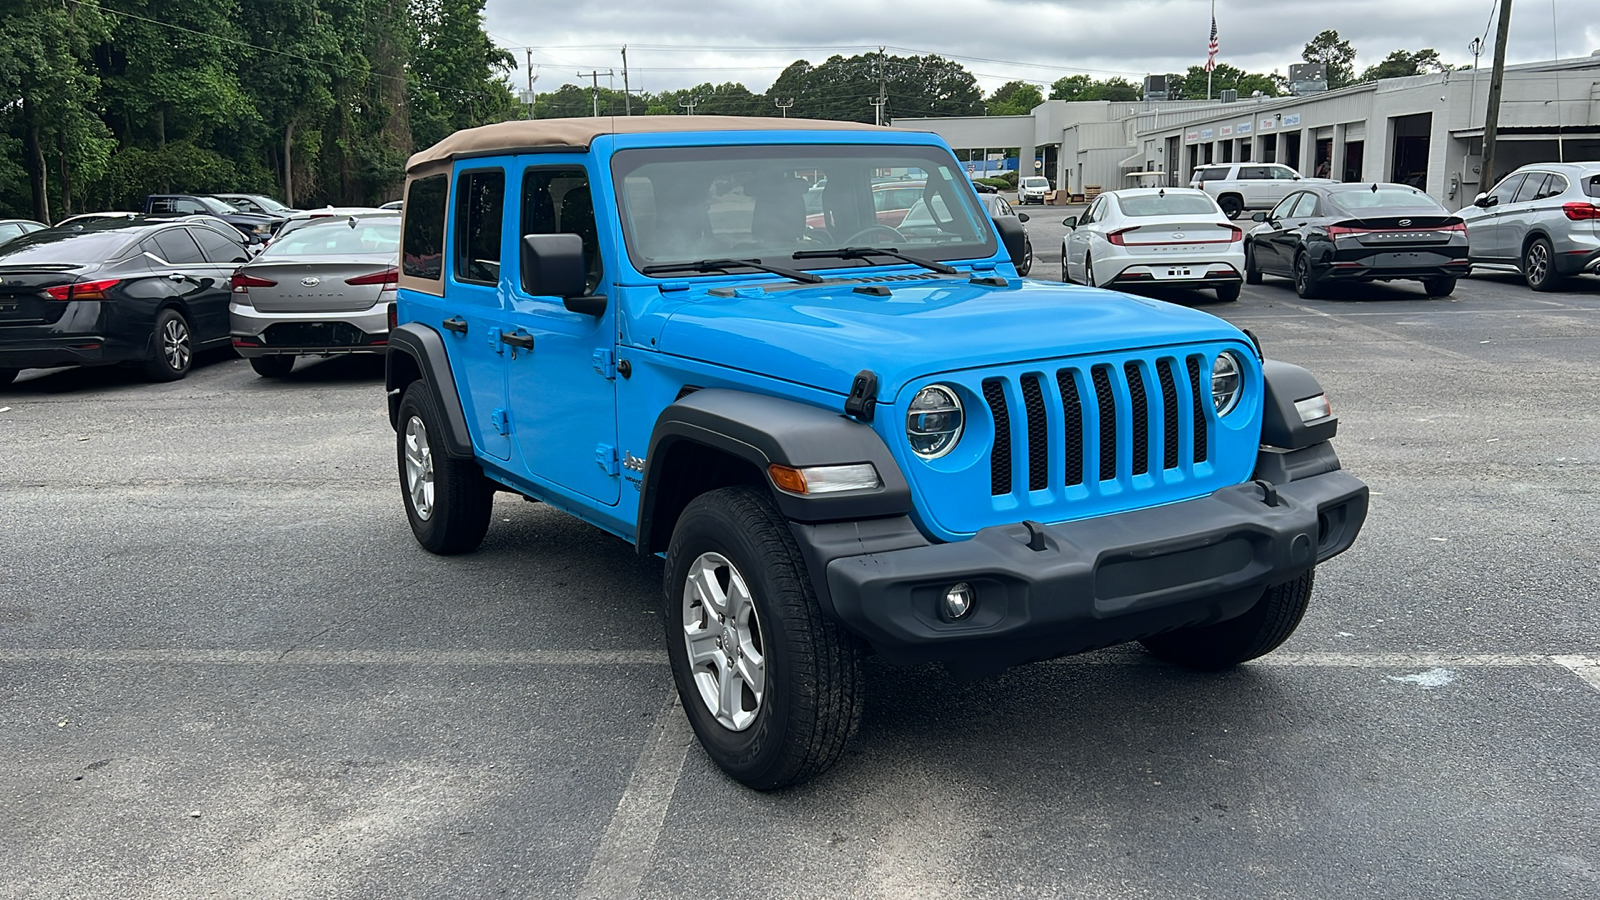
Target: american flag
{"type": "Point", "coordinates": [1211, 48]}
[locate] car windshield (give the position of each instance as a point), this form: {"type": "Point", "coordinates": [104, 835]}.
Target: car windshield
{"type": "Point", "coordinates": [339, 237]}
{"type": "Point", "coordinates": [216, 207]}
{"type": "Point", "coordinates": [686, 204]}
{"type": "Point", "coordinates": [59, 247]}
{"type": "Point", "coordinates": [1166, 205]}
{"type": "Point", "coordinates": [269, 204]}
{"type": "Point", "coordinates": [1383, 198]}
{"type": "Point", "coordinates": [1036, 182]}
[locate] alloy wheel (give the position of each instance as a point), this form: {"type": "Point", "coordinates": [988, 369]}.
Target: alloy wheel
{"type": "Point", "coordinates": [419, 468]}
{"type": "Point", "coordinates": [722, 634]}
{"type": "Point", "coordinates": [175, 344]}
{"type": "Point", "coordinates": [1537, 264]}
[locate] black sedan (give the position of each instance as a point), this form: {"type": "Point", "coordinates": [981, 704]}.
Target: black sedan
{"type": "Point", "coordinates": [1325, 234]}
{"type": "Point", "coordinates": [144, 291]}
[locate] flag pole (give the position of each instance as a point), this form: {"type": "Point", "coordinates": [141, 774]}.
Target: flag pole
{"type": "Point", "coordinates": [1213, 38]}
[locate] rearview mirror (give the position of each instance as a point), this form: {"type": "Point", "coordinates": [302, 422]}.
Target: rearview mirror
{"type": "Point", "coordinates": [1259, 217]}
{"type": "Point", "coordinates": [1070, 221]}
{"type": "Point", "coordinates": [552, 266]}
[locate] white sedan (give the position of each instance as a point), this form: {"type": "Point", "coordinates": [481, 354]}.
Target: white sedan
{"type": "Point", "coordinates": [1165, 237]}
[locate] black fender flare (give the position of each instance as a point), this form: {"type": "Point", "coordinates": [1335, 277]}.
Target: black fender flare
{"type": "Point", "coordinates": [1285, 384]}
{"type": "Point", "coordinates": [760, 431]}
{"type": "Point", "coordinates": [418, 353]}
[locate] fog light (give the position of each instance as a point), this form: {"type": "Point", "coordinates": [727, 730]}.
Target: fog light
{"type": "Point", "coordinates": [959, 599]}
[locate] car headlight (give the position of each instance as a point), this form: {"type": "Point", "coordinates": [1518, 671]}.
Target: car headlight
{"type": "Point", "coordinates": [934, 421]}
{"type": "Point", "coordinates": [1225, 382]}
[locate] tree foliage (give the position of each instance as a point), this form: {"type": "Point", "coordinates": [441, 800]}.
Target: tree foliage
{"type": "Point", "coordinates": [1014, 98]}
{"type": "Point", "coordinates": [1337, 54]}
{"type": "Point", "coordinates": [1401, 63]}
{"type": "Point", "coordinates": [1085, 87]}
{"type": "Point", "coordinates": [1192, 84]}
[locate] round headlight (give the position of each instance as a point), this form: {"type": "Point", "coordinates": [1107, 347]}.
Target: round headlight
{"type": "Point", "coordinates": [1225, 380]}
{"type": "Point", "coordinates": [933, 422]}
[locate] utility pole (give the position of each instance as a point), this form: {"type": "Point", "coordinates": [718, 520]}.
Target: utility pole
{"type": "Point", "coordinates": [688, 104]}
{"type": "Point", "coordinates": [1476, 49]}
{"type": "Point", "coordinates": [528, 96]}
{"type": "Point", "coordinates": [879, 101]}
{"type": "Point", "coordinates": [596, 76]}
{"type": "Point", "coordinates": [627, 95]}
{"type": "Point", "coordinates": [783, 105]}
{"type": "Point", "coordinates": [1491, 122]}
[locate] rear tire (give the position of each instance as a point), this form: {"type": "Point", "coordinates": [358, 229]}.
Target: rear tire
{"type": "Point", "coordinates": [1228, 293]}
{"type": "Point", "coordinates": [172, 347]}
{"type": "Point", "coordinates": [1231, 205]}
{"type": "Point", "coordinates": [1259, 631]}
{"type": "Point", "coordinates": [1439, 287]}
{"type": "Point", "coordinates": [1305, 283]}
{"type": "Point", "coordinates": [448, 501]}
{"type": "Point", "coordinates": [272, 366]}
{"type": "Point", "coordinates": [1538, 266]}
{"type": "Point", "coordinates": [774, 689]}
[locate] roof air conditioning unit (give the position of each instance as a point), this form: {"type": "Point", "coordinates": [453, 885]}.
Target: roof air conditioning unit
{"type": "Point", "coordinates": [1155, 87]}
{"type": "Point", "coordinates": [1308, 78]}
{"type": "Point", "coordinates": [1229, 95]}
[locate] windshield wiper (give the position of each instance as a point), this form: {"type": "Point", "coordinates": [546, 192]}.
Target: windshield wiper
{"type": "Point", "coordinates": [723, 265]}
{"type": "Point", "coordinates": [866, 252]}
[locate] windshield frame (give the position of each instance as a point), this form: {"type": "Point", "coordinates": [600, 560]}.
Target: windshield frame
{"type": "Point", "coordinates": [630, 156]}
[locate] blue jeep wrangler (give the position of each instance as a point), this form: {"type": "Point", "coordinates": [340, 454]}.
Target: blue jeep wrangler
{"type": "Point", "coordinates": [840, 416]}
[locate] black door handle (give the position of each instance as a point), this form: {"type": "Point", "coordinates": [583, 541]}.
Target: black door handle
{"type": "Point", "coordinates": [456, 324]}
{"type": "Point", "coordinates": [525, 341]}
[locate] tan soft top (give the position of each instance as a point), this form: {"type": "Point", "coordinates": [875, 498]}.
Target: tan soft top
{"type": "Point", "coordinates": [527, 134]}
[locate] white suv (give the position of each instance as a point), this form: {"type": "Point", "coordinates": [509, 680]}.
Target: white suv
{"type": "Point", "coordinates": [1032, 189]}
{"type": "Point", "coordinates": [1241, 186]}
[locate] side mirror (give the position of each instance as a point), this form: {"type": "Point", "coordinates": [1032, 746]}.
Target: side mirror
{"type": "Point", "coordinates": [1070, 221]}
{"type": "Point", "coordinates": [1014, 237]}
{"type": "Point", "coordinates": [1482, 201]}
{"type": "Point", "coordinates": [1259, 217]}
{"type": "Point", "coordinates": [552, 266]}
{"type": "Point", "coordinates": [1022, 217]}
{"type": "Point", "coordinates": [1297, 177]}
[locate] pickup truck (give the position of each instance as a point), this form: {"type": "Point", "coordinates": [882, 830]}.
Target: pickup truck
{"type": "Point", "coordinates": [257, 227]}
{"type": "Point", "coordinates": [841, 436]}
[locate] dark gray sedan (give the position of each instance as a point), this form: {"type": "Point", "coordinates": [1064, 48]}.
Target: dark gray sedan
{"type": "Point", "coordinates": [322, 290]}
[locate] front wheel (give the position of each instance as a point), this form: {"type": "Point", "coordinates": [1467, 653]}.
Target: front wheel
{"type": "Point", "coordinates": [1258, 632]}
{"type": "Point", "coordinates": [1027, 259]}
{"type": "Point", "coordinates": [272, 366]}
{"type": "Point", "coordinates": [448, 500]}
{"type": "Point", "coordinates": [172, 347]}
{"type": "Point", "coordinates": [1088, 271]}
{"type": "Point", "coordinates": [770, 686]}
{"type": "Point", "coordinates": [1439, 287]}
{"type": "Point", "coordinates": [1252, 275]}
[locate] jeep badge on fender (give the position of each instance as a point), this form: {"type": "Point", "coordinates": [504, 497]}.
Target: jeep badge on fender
{"type": "Point", "coordinates": [847, 424]}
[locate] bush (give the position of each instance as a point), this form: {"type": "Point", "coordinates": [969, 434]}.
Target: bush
{"type": "Point", "coordinates": [1000, 183]}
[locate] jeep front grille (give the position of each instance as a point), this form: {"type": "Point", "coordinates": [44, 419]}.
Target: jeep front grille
{"type": "Point", "coordinates": [1108, 421]}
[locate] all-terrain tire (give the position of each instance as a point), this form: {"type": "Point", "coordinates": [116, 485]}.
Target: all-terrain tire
{"type": "Point", "coordinates": [448, 501]}
{"type": "Point", "coordinates": [1258, 632]}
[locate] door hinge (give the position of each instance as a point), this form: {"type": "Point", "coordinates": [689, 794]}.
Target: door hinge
{"type": "Point", "coordinates": [501, 419]}
{"type": "Point", "coordinates": [605, 456]}
{"type": "Point", "coordinates": [605, 362]}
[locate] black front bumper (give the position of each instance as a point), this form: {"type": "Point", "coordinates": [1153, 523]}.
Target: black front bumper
{"type": "Point", "coordinates": [1091, 583]}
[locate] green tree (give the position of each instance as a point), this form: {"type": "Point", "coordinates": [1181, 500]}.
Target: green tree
{"type": "Point", "coordinates": [1014, 98]}
{"type": "Point", "coordinates": [1401, 63]}
{"type": "Point", "coordinates": [1192, 84]}
{"type": "Point", "coordinates": [458, 71]}
{"type": "Point", "coordinates": [1084, 87]}
{"type": "Point", "coordinates": [1336, 54]}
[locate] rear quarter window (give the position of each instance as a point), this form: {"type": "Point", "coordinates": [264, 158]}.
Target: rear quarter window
{"type": "Point", "coordinates": [422, 254]}
{"type": "Point", "coordinates": [1591, 184]}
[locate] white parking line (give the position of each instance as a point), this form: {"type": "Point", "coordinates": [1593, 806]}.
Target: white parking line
{"type": "Point", "coordinates": [623, 858]}
{"type": "Point", "coordinates": [346, 657]}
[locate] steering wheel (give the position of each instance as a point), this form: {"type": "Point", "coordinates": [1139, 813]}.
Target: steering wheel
{"type": "Point", "coordinates": [894, 234]}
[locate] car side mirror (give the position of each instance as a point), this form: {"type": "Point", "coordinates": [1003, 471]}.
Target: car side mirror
{"type": "Point", "coordinates": [1013, 237]}
{"type": "Point", "coordinates": [1022, 217]}
{"type": "Point", "coordinates": [1259, 217]}
{"type": "Point", "coordinates": [1070, 221]}
{"type": "Point", "coordinates": [1482, 201]}
{"type": "Point", "coordinates": [552, 266]}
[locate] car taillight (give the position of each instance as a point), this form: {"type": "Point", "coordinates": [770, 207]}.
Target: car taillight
{"type": "Point", "coordinates": [1581, 212]}
{"type": "Point", "coordinates": [242, 283]}
{"type": "Point", "coordinates": [83, 290]}
{"type": "Point", "coordinates": [1115, 237]}
{"type": "Point", "coordinates": [394, 316]}
{"type": "Point", "coordinates": [389, 278]}
{"type": "Point", "coordinates": [1336, 230]}
{"type": "Point", "coordinates": [1237, 235]}
{"type": "Point", "coordinates": [1454, 226]}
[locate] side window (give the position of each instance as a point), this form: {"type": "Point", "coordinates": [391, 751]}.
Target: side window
{"type": "Point", "coordinates": [188, 207]}
{"type": "Point", "coordinates": [480, 209]}
{"type": "Point", "coordinates": [558, 201]}
{"type": "Point", "coordinates": [217, 248]}
{"type": "Point", "coordinates": [9, 230]}
{"type": "Point", "coordinates": [1591, 185]}
{"type": "Point", "coordinates": [1090, 213]}
{"type": "Point", "coordinates": [161, 205]}
{"type": "Point", "coordinates": [1555, 187]}
{"type": "Point", "coordinates": [1253, 173]}
{"type": "Point", "coordinates": [1507, 189]}
{"type": "Point", "coordinates": [1281, 211]}
{"type": "Point", "coordinates": [1532, 186]}
{"type": "Point", "coordinates": [1307, 206]}
{"type": "Point", "coordinates": [1282, 173]}
{"type": "Point", "coordinates": [1001, 206]}
{"type": "Point", "coordinates": [423, 245]}
{"type": "Point", "coordinates": [177, 247]}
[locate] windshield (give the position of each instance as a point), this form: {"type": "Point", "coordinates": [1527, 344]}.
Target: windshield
{"type": "Point", "coordinates": [686, 204]}
{"type": "Point", "coordinates": [1168, 205]}
{"type": "Point", "coordinates": [56, 247]}
{"type": "Point", "coordinates": [215, 206]}
{"type": "Point", "coordinates": [1384, 198]}
{"type": "Point", "coordinates": [1036, 181]}
{"type": "Point", "coordinates": [339, 237]}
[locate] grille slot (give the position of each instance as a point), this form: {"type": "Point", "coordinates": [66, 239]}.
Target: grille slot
{"type": "Point", "coordinates": [1101, 375]}
{"type": "Point", "coordinates": [1000, 456]}
{"type": "Point", "coordinates": [1038, 434]}
{"type": "Point", "coordinates": [1169, 414]}
{"type": "Point", "coordinates": [1072, 408]}
{"type": "Point", "coordinates": [1140, 416]}
{"type": "Point", "coordinates": [1196, 392]}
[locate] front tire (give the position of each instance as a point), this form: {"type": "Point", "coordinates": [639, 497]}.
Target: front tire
{"type": "Point", "coordinates": [1439, 287]}
{"type": "Point", "coordinates": [772, 689]}
{"type": "Point", "coordinates": [1538, 266]}
{"type": "Point", "coordinates": [272, 366]}
{"type": "Point", "coordinates": [1027, 259]}
{"type": "Point", "coordinates": [172, 347]}
{"type": "Point", "coordinates": [1259, 631]}
{"type": "Point", "coordinates": [1252, 275]}
{"type": "Point", "coordinates": [1088, 271]}
{"type": "Point", "coordinates": [448, 501]}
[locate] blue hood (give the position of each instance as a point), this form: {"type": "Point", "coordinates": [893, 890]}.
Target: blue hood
{"type": "Point", "coordinates": [822, 335]}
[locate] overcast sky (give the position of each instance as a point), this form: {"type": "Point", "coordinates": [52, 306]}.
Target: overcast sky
{"type": "Point", "coordinates": [681, 43]}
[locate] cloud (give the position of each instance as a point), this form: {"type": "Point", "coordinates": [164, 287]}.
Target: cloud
{"type": "Point", "coordinates": [679, 43]}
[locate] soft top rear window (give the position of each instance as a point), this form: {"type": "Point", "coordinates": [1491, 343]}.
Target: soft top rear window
{"type": "Point", "coordinates": [422, 254]}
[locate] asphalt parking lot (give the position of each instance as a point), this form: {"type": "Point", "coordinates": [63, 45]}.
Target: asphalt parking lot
{"type": "Point", "coordinates": [226, 669]}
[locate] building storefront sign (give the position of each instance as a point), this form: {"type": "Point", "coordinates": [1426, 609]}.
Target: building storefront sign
{"type": "Point", "coordinates": [1226, 131]}
{"type": "Point", "coordinates": [1206, 134]}
{"type": "Point", "coordinates": [1291, 119]}
{"type": "Point", "coordinates": [1269, 123]}
{"type": "Point", "coordinates": [1242, 128]}
{"type": "Point", "coordinates": [1192, 136]}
